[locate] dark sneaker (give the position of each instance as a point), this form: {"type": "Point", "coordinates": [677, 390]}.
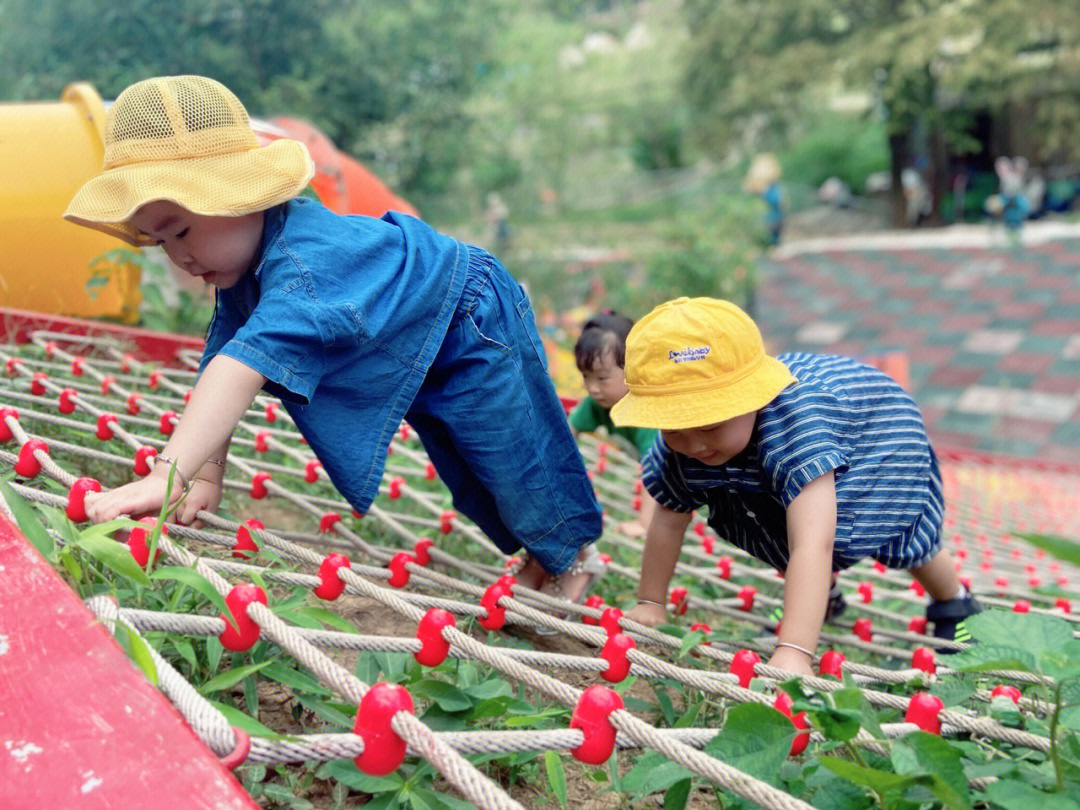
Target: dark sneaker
{"type": "Point", "coordinates": [948, 618]}
{"type": "Point", "coordinates": [837, 603]}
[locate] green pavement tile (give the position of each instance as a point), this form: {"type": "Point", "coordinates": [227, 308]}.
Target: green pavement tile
{"type": "Point", "coordinates": [964, 359]}
{"type": "Point", "coordinates": [1043, 344]}
{"type": "Point", "coordinates": [1069, 368]}
{"type": "Point", "coordinates": [1008, 379]}
{"type": "Point", "coordinates": [1064, 311]}
{"type": "Point", "coordinates": [1008, 447]}
{"type": "Point", "coordinates": [932, 396]}
{"type": "Point", "coordinates": [975, 423]}
{"type": "Point", "coordinates": [1067, 434]}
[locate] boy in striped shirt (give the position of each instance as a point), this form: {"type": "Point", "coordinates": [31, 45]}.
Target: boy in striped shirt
{"type": "Point", "coordinates": [808, 462]}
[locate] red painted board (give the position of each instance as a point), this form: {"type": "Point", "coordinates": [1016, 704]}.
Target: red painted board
{"type": "Point", "coordinates": [80, 726]}
{"type": "Point", "coordinates": [17, 324]}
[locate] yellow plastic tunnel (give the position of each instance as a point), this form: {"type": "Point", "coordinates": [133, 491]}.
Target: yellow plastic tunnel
{"type": "Point", "coordinates": [48, 150]}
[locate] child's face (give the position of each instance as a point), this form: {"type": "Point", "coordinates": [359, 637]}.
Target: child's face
{"type": "Point", "coordinates": [219, 250]}
{"type": "Point", "coordinates": [605, 381]}
{"type": "Point", "coordinates": [713, 444]}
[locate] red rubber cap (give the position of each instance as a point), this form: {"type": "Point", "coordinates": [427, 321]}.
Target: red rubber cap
{"type": "Point", "coordinates": [246, 546]}
{"type": "Point", "coordinates": [923, 710]}
{"type": "Point", "coordinates": [433, 647]}
{"type": "Point", "coordinates": [5, 432]}
{"type": "Point", "coordinates": [142, 456]}
{"type": "Point", "coordinates": [595, 601]}
{"type": "Point", "coordinates": [399, 573]}
{"type": "Point", "coordinates": [614, 653]}
{"type": "Point", "coordinates": [429, 472]}
{"type": "Point", "coordinates": [864, 629]}
{"type": "Point", "coordinates": [394, 488]}
{"type": "Point", "coordinates": [311, 470]}
{"type": "Point", "coordinates": [332, 585]}
{"type": "Point", "coordinates": [723, 565]}
{"type": "Point", "coordinates": [1010, 692]}
{"type": "Point", "coordinates": [27, 465]}
{"type": "Point", "coordinates": [133, 404]}
{"type": "Point", "coordinates": [496, 616]}
{"type": "Point", "coordinates": [155, 378]}
{"type": "Point", "coordinates": [137, 545]}
{"type": "Point", "coordinates": [866, 591]}
{"type": "Point", "coordinates": [258, 484]}
{"type": "Point", "coordinates": [327, 521]}
{"type": "Point", "coordinates": [679, 600]}
{"type": "Point", "coordinates": [609, 620]}
{"type": "Point", "coordinates": [271, 412]}
{"type": "Point", "coordinates": [783, 704]}
{"type": "Point", "coordinates": [592, 715]}
{"type": "Point", "coordinates": [104, 426]}
{"type": "Point", "coordinates": [446, 521]}
{"type": "Point", "coordinates": [76, 505]}
{"type": "Point", "coordinates": [384, 750]}
{"type": "Point", "coordinates": [421, 550]}
{"type": "Point", "coordinates": [917, 625]}
{"type": "Point", "coordinates": [246, 633]}
{"type": "Point", "coordinates": [260, 441]}
{"type": "Point", "coordinates": [747, 594]}
{"type": "Point", "coordinates": [165, 423]}
{"type": "Point", "coordinates": [77, 366]}
{"type": "Point", "coordinates": [107, 382]}
{"type": "Point", "coordinates": [832, 663]}
{"type": "Point", "coordinates": [923, 658]}
{"type": "Point", "coordinates": [742, 666]}
{"type": "Point", "coordinates": [65, 403]}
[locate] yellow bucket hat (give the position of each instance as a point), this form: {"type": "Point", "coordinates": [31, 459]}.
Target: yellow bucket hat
{"type": "Point", "coordinates": [693, 362]}
{"type": "Point", "coordinates": [186, 139]}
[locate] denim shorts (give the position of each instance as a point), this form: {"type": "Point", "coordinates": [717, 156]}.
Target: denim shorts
{"type": "Point", "coordinates": [489, 418]}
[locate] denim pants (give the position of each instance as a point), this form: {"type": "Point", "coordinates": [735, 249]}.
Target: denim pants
{"type": "Point", "coordinates": [490, 420]}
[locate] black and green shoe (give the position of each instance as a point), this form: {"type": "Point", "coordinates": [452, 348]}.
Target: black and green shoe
{"type": "Point", "coordinates": [948, 619]}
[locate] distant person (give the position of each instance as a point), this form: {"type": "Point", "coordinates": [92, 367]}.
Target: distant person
{"type": "Point", "coordinates": [763, 179]}
{"type": "Point", "coordinates": [498, 219]}
{"type": "Point", "coordinates": [1011, 204]}
{"type": "Point", "coordinates": [917, 202]}
{"type": "Point", "coordinates": [600, 354]}
{"type": "Point", "coordinates": [355, 322]}
{"type": "Point", "coordinates": [808, 462]}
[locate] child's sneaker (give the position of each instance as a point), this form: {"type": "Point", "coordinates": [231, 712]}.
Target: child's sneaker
{"type": "Point", "coordinates": [948, 617]}
{"type": "Point", "coordinates": [837, 603]}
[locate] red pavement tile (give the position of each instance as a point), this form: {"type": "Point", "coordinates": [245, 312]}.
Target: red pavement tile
{"type": "Point", "coordinates": [949, 438]}
{"type": "Point", "coordinates": [1057, 384]}
{"type": "Point", "coordinates": [930, 355]}
{"type": "Point", "coordinates": [964, 321]}
{"type": "Point", "coordinates": [956, 377]}
{"type": "Point", "coordinates": [902, 338]}
{"type": "Point", "coordinates": [1026, 362]}
{"type": "Point", "coordinates": [930, 414]}
{"type": "Point", "coordinates": [1019, 309]}
{"type": "Point", "coordinates": [1054, 326]}
{"type": "Point", "coordinates": [1034, 430]}
{"type": "Point", "coordinates": [1050, 281]}
{"type": "Point", "coordinates": [1058, 453]}
{"type": "Point", "coordinates": [934, 306]}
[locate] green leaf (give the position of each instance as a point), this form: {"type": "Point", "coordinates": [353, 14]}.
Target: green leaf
{"type": "Point", "coordinates": [247, 723]}
{"type": "Point", "coordinates": [675, 798]}
{"type": "Point", "coordinates": [114, 556]}
{"type": "Point", "coordinates": [954, 691]}
{"type": "Point", "coordinates": [327, 711]}
{"type": "Point", "coordinates": [652, 773]}
{"type": "Point", "coordinates": [448, 698]}
{"type": "Point", "coordinates": [755, 739]}
{"type": "Point", "coordinates": [328, 618]}
{"type": "Point", "coordinates": [198, 583]}
{"type": "Point", "coordinates": [935, 756]}
{"type": "Point", "coordinates": [1059, 547]}
{"type": "Point", "coordinates": [346, 772]}
{"type": "Point", "coordinates": [1037, 634]}
{"type": "Point", "coordinates": [690, 640]}
{"type": "Point", "coordinates": [29, 523]}
{"type": "Point", "coordinates": [491, 688]}
{"type": "Point", "coordinates": [556, 776]}
{"type": "Point", "coordinates": [980, 657]}
{"type": "Point", "coordinates": [1015, 795]}
{"type": "Point", "coordinates": [872, 778]}
{"type": "Point", "coordinates": [214, 651]}
{"type": "Point", "coordinates": [283, 673]}
{"type": "Point", "coordinates": [231, 677]}
{"type": "Point", "coordinates": [138, 651]}
{"type": "Point", "coordinates": [185, 650]}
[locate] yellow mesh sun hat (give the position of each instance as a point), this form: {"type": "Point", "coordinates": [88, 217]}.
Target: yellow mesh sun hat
{"type": "Point", "coordinates": [693, 362]}
{"type": "Point", "coordinates": [186, 139]}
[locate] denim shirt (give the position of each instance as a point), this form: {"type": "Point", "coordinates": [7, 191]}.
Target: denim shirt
{"type": "Point", "coordinates": [343, 315]}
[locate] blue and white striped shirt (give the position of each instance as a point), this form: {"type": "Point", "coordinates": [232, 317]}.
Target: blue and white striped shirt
{"type": "Point", "coordinates": [842, 416]}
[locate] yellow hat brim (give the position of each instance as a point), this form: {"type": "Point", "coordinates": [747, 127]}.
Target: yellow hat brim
{"type": "Point", "coordinates": [228, 185]}
{"type": "Point", "coordinates": [679, 411]}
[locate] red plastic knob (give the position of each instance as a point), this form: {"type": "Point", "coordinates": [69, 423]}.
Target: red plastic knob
{"type": "Point", "coordinates": [165, 424]}
{"type": "Point", "coordinates": [923, 710]}
{"type": "Point", "coordinates": [271, 412]}
{"type": "Point", "coordinates": [142, 459]}
{"type": "Point", "coordinates": [5, 432]}
{"type": "Point", "coordinates": [125, 364]}
{"type": "Point", "coordinates": [601, 466]}
{"type": "Point", "coordinates": [614, 652]}
{"type": "Point", "coordinates": [76, 505]}
{"type": "Point", "coordinates": [638, 487]}
{"type": "Point", "coordinates": [917, 625]}
{"type": "Point", "coordinates": [77, 366]}
{"type": "Point", "coordinates": [246, 633]}
{"type": "Point", "coordinates": [246, 546]}
{"type": "Point", "coordinates": [602, 449]}
{"type": "Point", "coordinates": [1064, 604]}
{"type": "Point", "coordinates": [1022, 606]}
{"type": "Point", "coordinates": [679, 600]}
{"type": "Point", "coordinates": [187, 396]}
{"type": "Point", "coordinates": [399, 572]}
{"type": "Point", "coordinates": [429, 472]}
{"type": "Point", "coordinates": [699, 529]}
{"type": "Point", "coordinates": [433, 647]}
{"type": "Point", "coordinates": [327, 521]}
{"type": "Point", "coordinates": [917, 587]}
{"type": "Point", "coordinates": [864, 629]}
{"type": "Point", "coordinates": [422, 550]}
{"type": "Point", "coordinates": [595, 601]}
{"type": "Point", "coordinates": [107, 382]}
{"type": "Point", "coordinates": [65, 403]}
{"type": "Point", "coordinates": [923, 658]}
{"type": "Point", "coordinates": [258, 484]}
{"type": "Point", "coordinates": [260, 441]}
{"type": "Point", "coordinates": [635, 503]}
{"type": "Point", "coordinates": [104, 426]}
{"type": "Point", "coordinates": [1010, 692]}
{"type": "Point", "coordinates": [609, 620]}
{"type": "Point", "coordinates": [783, 704]}
{"type": "Point", "coordinates": [12, 364]}
{"type": "Point", "coordinates": [742, 666]}
{"type": "Point", "coordinates": [133, 404]}
{"type": "Point", "coordinates": [329, 572]}
{"type": "Point", "coordinates": [496, 616]}
{"type": "Point", "coordinates": [592, 715]}
{"type": "Point", "coordinates": [27, 465]}
{"type": "Point", "coordinates": [37, 383]}
{"type": "Point", "coordinates": [384, 750]}
{"type": "Point", "coordinates": [701, 627]}
{"type": "Point", "coordinates": [394, 488]}
{"type": "Point", "coordinates": [137, 545]}
{"type": "Point", "coordinates": [747, 594]}
{"type": "Point", "coordinates": [311, 470]}
{"type": "Point", "coordinates": [446, 521]}
{"type": "Point", "coordinates": [708, 544]}
{"type": "Point", "coordinates": [155, 379]}
{"type": "Point", "coordinates": [866, 591]}
{"type": "Point", "coordinates": [879, 566]}
{"type": "Point", "coordinates": [235, 758]}
{"type": "Point", "coordinates": [832, 663]}
{"type": "Point", "coordinates": [1002, 582]}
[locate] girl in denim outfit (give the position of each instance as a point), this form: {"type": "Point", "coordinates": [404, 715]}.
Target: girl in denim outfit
{"type": "Point", "coordinates": [355, 323]}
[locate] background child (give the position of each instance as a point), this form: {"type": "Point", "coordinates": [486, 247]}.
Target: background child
{"type": "Point", "coordinates": [808, 462]}
{"type": "Point", "coordinates": [354, 322]}
{"type": "Point", "coordinates": [600, 354]}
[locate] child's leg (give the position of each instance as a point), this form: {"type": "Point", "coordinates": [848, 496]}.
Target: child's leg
{"type": "Point", "coordinates": [939, 576]}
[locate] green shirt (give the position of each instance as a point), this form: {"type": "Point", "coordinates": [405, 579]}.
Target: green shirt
{"type": "Point", "coordinates": [588, 416]}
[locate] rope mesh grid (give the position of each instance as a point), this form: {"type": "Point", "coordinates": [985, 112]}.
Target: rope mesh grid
{"type": "Point", "coordinates": [979, 510]}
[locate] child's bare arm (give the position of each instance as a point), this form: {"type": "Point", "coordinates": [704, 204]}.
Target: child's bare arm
{"type": "Point", "coordinates": [811, 521]}
{"type": "Point", "coordinates": [221, 396]}
{"type": "Point", "coordinates": [206, 487]}
{"type": "Point", "coordinates": [663, 540]}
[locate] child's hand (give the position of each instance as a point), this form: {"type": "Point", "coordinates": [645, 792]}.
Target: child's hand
{"type": "Point", "coordinates": [648, 614]}
{"type": "Point", "coordinates": [791, 660]}
{"type": "Point", "coordinates": [203, 495]}
{"type": "Point", "coordinates": [142, 497]}
{"type": "Point", "coordinates": [632, 528]}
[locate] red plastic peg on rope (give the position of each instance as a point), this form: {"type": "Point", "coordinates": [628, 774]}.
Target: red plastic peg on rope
{"type": "Point", "coordinates": [638, 487]}
{"type": "Point", "coordinates": [77, 366]}
{"type": "Point", "coordinates": [246, 633]}
{"type": "Point", "coordinates": [446, 521]}
{"type": "Point", "coordinates": [50, 349]}
{"type": "Point", "coordinates": [923, 658]}
{"type": "Point", "coordinates": [137, 545]}
{"type": "Point", "coordinates": [917, 587]}
{"type": "Point", "coordinates": [601, 466]}
{"type": "Point", "coordinates": [12, 364]}
{"type": "Point", "coordinates": [271, 412]}
{"type": "Point", "coordinates": [384, 750]}
{"type": "Point", "coordinates": [679, 601]}
{"type": "Point", "coordinates": [27, 465]}
{"type": "Point", "coordinates": [125, 364]}
{"type": "Point", "coordinates": [879, 566]}
{"type": "Point", "coordinates": [429, 472]}
{"type": "Point", "coordinates": [866, 591]}
{"type": "Point", "coordinates": [614, 652]}
{"type": "Point", "coordinates": [708, 544]}
{"type": "Point", "coordinates": [433, 647]}
{"type": "Point", "coordinates": [863, 629]}
{"type": "Point", "coordinates": [832, 663]}
{"type": "Point", "coordinates": [258, 484]}
{"type": "Point", "coordinates": [635, 503]}
{"type": "Point", "coordinates": [602, 449]}
{"type": "Point", "coordinates": [609, 620]}
{"type": "Point", "coordinates": [699, 530]}
{"type": "Point", "coordinates": [1063, 604]}
{"type": "Point", "coordinates": [508, 581]}
{"type": "Point", "coordinates": [104, 426]}
{"type": "Point", "coordinates": [917, 625]}
{"type": "Point", "coordinates": [245, 546]}
{"type": "Point", "coordinates": [142, 459]}
{"type": "Point", "coordinates": [165, 424]}
{"type": "Point", "coordinates": [37, 383]}
{"type": "Point", "coordinates": [723, 565]}
{"type": "Point", "coordinates": [595, 601]}
{"type": "Point", "coordinates": [64, 403]}
{"type": "Point", "coordinates": [923, 710]}
{"type": "Point", "coordinates": [747, 594]}
{"type": "Point", "coordinates": [155, 379]}
{"type": "Point", "coordinates": [1002, 583]}
{"type": "Point", "coordinates": [394, 487]}
{"type": "Point", "coordinates": [701, 627]}
{"type": "Point", "coordinates": [399, 574]}
{"type": "Point", "coordinates": [5, 432]}
{"type": "Point", "coordinates": [107, 383]}
{"type": "Point", "coordinates": [496, 616]}
{"type": "Point", "coordinates": [1010, 692]}
{"type": "Point", "coordinates": [422, 550]}
{"type": "Point", "coordinates": [783, 704]}
{"type": "Point", "coordinates": [133, 404]}
{"type": "Point", "coordinates": [1022, 606]}
{"type": "Point", "coordinates": [327, 521]}
{"type": "Point", "coordinates": [742, 666]}
{"type": "Point", "coordinates": [260, 441]}
{"type": "Point", "coordinates": [592, 715]}
{"type": "Point", "coordinates": [76, 505]}
{"type": "Point", "coordinates": [311, 470]}
{"type": "Point", "coordinates": [239, 754]}
{"type": "Point", "coordinates": [329, 572]}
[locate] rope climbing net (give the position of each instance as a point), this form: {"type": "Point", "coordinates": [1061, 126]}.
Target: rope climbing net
{"type": "Point", "coordinates": [95, 406]}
